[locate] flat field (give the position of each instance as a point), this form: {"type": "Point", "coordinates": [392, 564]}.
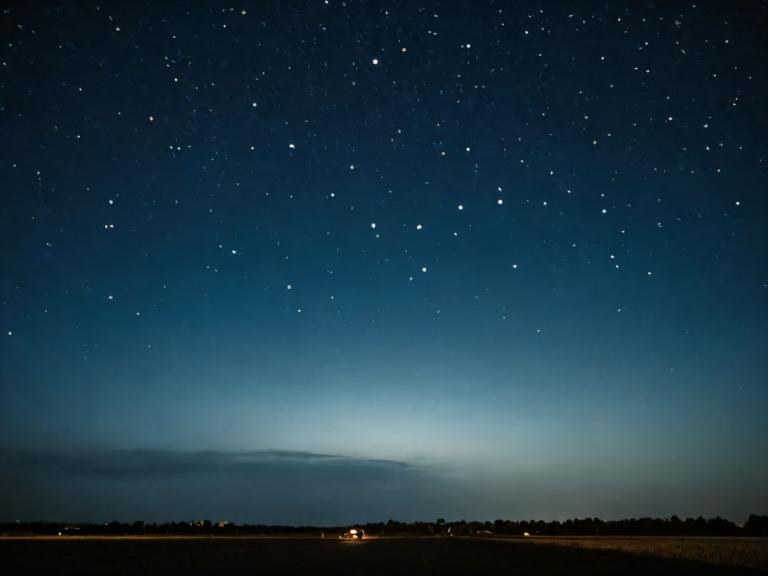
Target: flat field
{"type": "Point", "coordinates": [377, 556]}
{"type": "Point", "coordinates": [727, 551]}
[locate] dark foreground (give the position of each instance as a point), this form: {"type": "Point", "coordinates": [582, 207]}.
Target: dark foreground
{"type": "Point", "coordinates": [319, 557]}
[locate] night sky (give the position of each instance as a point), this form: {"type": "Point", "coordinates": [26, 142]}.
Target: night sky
{"type": "Point", "coordinates": [336, 261]}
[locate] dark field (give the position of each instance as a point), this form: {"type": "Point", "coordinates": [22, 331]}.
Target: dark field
{"type": "Point", "coordinates": [390, 556]}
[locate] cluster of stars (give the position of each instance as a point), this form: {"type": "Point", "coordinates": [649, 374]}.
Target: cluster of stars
{"type": "Point", "coordinates": [433, 117]}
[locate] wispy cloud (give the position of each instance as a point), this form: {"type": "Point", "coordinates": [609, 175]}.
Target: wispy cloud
{"type": "Point", "coordinates": [255, 486]}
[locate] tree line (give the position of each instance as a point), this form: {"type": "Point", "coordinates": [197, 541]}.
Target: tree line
{"type": "Point", "coordinates": [755, 526]}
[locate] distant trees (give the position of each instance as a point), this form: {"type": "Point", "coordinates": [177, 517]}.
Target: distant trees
{"type": "Point", "coordinates": [631, 526]}
{"type": "Point", "coordinates": [755, 526]}
{"type": "Point", "coordinates": [674, 526]}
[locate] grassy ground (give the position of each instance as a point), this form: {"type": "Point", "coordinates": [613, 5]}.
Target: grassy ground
{"type": "Point", "coordinates": [726, 551]}
{"type": "Point", "coordinates": [385, 556]}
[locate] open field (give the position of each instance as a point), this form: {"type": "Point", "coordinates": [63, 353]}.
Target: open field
{"type": "Point", "coordinates": [385, 556]}
{"type": "Point", "coordinates": [727, 551]}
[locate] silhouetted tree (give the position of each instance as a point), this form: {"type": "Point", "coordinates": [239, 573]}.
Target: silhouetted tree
{"type": "Point", "coordinates": [756, 525]}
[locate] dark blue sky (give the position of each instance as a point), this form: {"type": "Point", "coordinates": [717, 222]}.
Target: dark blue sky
{"type": "Point", "coordinates": [476, 260]}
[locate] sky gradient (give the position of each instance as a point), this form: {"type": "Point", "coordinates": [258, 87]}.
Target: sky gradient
{"type": "Point", "coordinates": [325, 261]}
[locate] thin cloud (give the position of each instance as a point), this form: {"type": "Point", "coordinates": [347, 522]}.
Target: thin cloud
{"type": "Point", "coordinates": [252, 486]}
